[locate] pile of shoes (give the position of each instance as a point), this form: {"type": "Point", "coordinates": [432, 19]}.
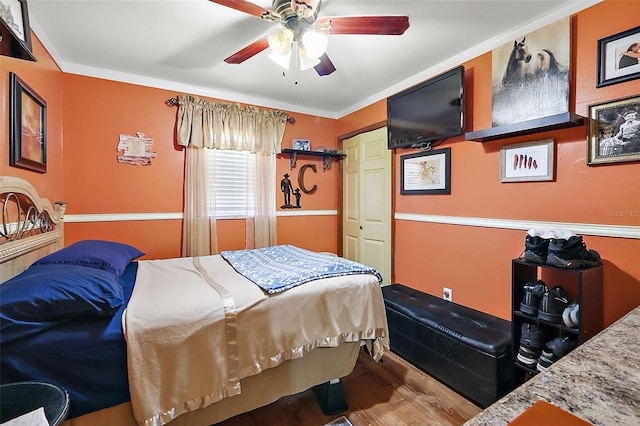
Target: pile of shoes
{"type": "Point", "coordinates": [558, 247]}
{"type": "Point", "coordinates": [549, 304]}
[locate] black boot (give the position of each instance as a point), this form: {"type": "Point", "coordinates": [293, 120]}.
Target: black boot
{"type": "Point", "coordinates": [571, 253]}
{"type": "Point", "coordinates": [536, 249]}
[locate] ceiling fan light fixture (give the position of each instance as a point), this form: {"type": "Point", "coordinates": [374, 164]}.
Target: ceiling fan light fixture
{"type": "Point", "coordinates": [314, 43]}
{"type": "Point", "coordinates": [280, 41]}
{"type": "Point", "coordinates": [283, 60]}
{"type": "Point", "coordinates": [307, 62]}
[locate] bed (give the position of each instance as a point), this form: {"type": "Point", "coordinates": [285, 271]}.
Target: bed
{"type": "Point", "coordinates": [185, 341]}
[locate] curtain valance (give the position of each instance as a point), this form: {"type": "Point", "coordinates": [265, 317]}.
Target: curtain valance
{"type": "Point", "coordinates": [209, 124]}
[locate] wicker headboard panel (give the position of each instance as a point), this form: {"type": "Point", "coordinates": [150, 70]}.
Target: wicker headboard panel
{"type": "Point", "coordinates": [30, 227]}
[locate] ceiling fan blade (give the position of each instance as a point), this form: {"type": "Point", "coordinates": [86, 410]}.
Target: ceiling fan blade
{"type": "Point", "coordinates": [249, 51]}
{"type": "Point", "coordinates": [250, 8]}
{"type": "Point", "coordinates": [382, 25]}
{"type": "Point", "coordinates": [325, 67]}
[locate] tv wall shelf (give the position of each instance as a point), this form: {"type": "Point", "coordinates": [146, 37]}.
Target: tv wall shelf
{"type": "Point", "coordinates": [552, 122]}
{"type": "Point", "coordinates": [326, 156]}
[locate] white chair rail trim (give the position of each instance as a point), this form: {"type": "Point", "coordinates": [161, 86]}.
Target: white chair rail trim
{"type": "Point", "coordinates": [620, 231]}
{"type": "Point", "coordinates": [124, 217]}
{"type": "Point", "coordinates": [616, 231]}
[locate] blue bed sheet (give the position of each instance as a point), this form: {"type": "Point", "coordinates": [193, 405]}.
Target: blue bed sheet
{"type": "Point", "coordinates": [87, 357]}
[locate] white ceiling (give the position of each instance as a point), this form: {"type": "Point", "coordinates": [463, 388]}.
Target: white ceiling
{"type": "Point", "coordinates": [180, 45]}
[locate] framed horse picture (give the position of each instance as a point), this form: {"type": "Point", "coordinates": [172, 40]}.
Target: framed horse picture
{"type": "Point", "coordinates": [530, 76]}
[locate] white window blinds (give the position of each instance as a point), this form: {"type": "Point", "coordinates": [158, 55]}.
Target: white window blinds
{"type": "Point", "coordinates": [232, 182]}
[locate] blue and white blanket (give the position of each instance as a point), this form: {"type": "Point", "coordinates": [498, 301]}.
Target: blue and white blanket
{"type": "Point", "coordinates": [279, 268]}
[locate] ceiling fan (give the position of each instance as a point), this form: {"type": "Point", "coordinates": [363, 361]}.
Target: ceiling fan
{"type": "Point", "coordinates": [300, 42]}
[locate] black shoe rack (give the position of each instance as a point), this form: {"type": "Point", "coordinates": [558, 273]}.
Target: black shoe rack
{"type": "Point", "coordinates": [581, 285]}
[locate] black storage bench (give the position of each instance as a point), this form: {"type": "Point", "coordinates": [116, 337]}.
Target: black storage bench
{"type": "Point", "coordinates": [468, 350]}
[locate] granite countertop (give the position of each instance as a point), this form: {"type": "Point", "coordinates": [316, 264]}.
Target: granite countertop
{"type": "Point", "coordinates": [599, 381]}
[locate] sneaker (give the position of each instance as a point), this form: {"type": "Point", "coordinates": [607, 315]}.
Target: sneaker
{"type": "Point", "coordinates": [569, 317]}
{"type": "Point", "coordinates": [546, 359]}
{"type": "Point", "coordinates": [571, 253]}
{"type": "Point", "coordinates": [531, 337]}
{"type": "Point", "coordinates": [575, 315]}
{"type": "Point", "coordinates": [554, 302]}
{"type": "Point", "coordinates": [560, 346]}
{"type": "Point", "coordinates": [528, 357]}
{"type": "Point", "coordinates": [535, 248]}
{"type": "Point", "coordinates": [533, 292]}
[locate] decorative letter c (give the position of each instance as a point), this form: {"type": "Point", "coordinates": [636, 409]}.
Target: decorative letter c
{"type": "Point", "coordinates": [301, 178]}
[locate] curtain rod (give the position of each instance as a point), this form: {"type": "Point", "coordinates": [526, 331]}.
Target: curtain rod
{"type": "Point", "coordinates": [171, 102]}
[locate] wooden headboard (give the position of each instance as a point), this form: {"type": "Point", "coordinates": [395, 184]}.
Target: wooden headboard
{"type": "Point", "coordinates": [30, 227]}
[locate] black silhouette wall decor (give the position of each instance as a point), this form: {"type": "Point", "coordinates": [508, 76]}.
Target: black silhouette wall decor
{"type": "Point", "coordinates": [287, 188]}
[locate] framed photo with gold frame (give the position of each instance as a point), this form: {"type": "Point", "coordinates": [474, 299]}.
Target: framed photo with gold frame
{"type": "Point", "coordinates": [28, 127]}
{"type": "Point", "coordinates": [613, 131]}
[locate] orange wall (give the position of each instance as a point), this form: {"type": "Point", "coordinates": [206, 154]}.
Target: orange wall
{"type": "Point", "coordinates": [44, 78]}
{"type": "Point", "coordinates": [97, 111]}
{"type": "Point", "coordinates": [476, 262]}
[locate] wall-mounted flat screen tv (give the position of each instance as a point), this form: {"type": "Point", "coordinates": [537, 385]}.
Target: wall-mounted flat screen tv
{"type": "Point", "coordinates": [427, 112]}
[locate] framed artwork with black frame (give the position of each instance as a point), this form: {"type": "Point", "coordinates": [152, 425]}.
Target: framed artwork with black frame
{"type": "Point", "coordinates": [27, 127]}
{"type": "Point", "coordinates": [619, 57]}
{"type": "Point", "coordinates": [613, 131]}
{"type": "Point", "coordinates": [426, 172]}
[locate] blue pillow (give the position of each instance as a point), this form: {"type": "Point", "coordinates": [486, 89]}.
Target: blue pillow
{"type": "Point", "coordinates": [46, 295]}
{"type": "Point", "coordinates": [108, 255]}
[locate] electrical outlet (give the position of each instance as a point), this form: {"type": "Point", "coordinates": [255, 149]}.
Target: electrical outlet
{"type": "Point", "coordinates": [447, 294]}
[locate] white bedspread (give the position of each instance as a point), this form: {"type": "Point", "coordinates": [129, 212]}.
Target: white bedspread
{"type": "Point", "coordinates": [194, 327]}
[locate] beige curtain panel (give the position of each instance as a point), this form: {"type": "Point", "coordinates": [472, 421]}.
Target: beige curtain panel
{"type": "Point", "coordinates": [207, 124]}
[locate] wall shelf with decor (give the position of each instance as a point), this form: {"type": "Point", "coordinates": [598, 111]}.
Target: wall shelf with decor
{"type": "Point", "coordinates": [544, 124]}
{"type": "Point", "coordinates": [326, 156]}
{"type": "Point", "coordinates": [15, 32]}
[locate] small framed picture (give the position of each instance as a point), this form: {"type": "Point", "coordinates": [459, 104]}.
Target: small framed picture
{"type": "Point", "coordinates": [527, 162]}
{"type": "Point", "coordinates": [619, 57]}
{"type": "Point", "coordinates": [302, 144]}
{"type": "Point", "coordinates": [613, 131]}
{"type": "Point", "coordinates": [426, 172]}
{"type": "Point", "coordinates": [28, 127]}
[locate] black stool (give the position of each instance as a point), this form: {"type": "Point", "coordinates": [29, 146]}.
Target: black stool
{"type": "Point", "coordinates": [21, 398]}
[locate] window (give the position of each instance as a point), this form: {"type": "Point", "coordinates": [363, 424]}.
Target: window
{"type": "Point", "coordinates": [232, 182]}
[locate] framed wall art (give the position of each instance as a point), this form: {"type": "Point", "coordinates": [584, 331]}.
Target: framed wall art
{"type": "Point", "coordinates": [27, 127]}
{"type": "Point", "coordinates": [619, 57]}
{"type": "Point", "coordinates": [527, 162]}
{"type": "Point", "coordinates": [530, 75]}
{"type": "Point", "coordinates": [613, 131]}
{"type": "Point", "coordinates": [302, 144]}
{"type": "Point", "coordinates": [426, 172]}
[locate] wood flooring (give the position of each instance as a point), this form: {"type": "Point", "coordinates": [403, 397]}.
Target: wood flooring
{"type": "Point", "coordinates": [379, 394]}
